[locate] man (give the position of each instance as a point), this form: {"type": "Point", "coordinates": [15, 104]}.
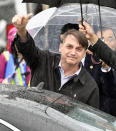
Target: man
{"type": "Point", "coordinates": [61, 73]}
{"type": "Point", "coordinates": [98, 46]}
{"type": "Point", "coordinates": [110, 40]}
{"type": "Point", "coordinates": [109, 37]}
{"type": "Point", "coordinates": [90, 62]}
{"type": "Point", "coordinates": [107, 76]}
{"type": "Point", "coordinates": [108, 91]}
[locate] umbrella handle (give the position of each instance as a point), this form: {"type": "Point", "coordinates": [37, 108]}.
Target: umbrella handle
{"type": "Point", "coordinates": [82, 19]}
{"type": "Point", "coordinates": [100, 21]}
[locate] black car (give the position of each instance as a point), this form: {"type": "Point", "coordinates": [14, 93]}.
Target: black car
{"type": "Point", "coordinates": [34, 109]}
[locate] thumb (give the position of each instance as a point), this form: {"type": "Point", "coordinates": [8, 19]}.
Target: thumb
{"type": "Point", "coordinates": [29, 16]}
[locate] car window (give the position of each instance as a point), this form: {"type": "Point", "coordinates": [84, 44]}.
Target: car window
{"type": "Point", "coordinates": [86, 114]}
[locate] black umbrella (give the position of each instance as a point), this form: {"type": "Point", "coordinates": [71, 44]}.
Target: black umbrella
{"type": "Point", "coordinates": [57, 3]}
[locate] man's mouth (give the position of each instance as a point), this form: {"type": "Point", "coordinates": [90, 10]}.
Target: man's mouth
{"type": "Point", "coordinates": [72, 58]}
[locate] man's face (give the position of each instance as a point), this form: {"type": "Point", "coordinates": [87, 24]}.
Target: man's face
{"type": "Point", "coordinates": [109, 38]}
{"type": "Point", "coordinates": [71, 51]}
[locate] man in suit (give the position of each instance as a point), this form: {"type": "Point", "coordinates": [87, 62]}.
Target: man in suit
{"type": "Point", "coordinates": [62, 72]}
{"type": "Point", "coordinates": [107, 76]}
{"type": "Point", "coordinates": [98, 46]}
{"type": "Point", "coordinates": [106, 51]}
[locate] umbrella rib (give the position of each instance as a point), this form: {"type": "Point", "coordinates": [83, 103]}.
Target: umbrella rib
{"type": "Point", "coordinates": [100, 19]}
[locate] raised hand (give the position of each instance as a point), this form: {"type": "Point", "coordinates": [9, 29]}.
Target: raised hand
{"type": "Point", "coordinates": [20, 22]}
{"type": "Point", "coordinates": [88, 32]}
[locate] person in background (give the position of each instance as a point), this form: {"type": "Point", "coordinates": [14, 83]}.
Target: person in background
{"type": "Point", "coordinates": [62, 73]}
{"type": "Point", "coordinates": [97, 46]}
{"type": "Point", "coordinates": [109, 37]}
{"type": "Point", "coordinates": [13, 68]}
{"type": "Point", "coordinates": [107, 82]}
{"type": "Point", "coordinates": [92, 62]}
{"type": "Point", "coordinates": [107, 76]}
{"type": "Point", "coordinates": [66, 27]}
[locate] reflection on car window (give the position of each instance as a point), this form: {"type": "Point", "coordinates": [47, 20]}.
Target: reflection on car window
{"type": "Point", "coordinates": [91, 118]}
{"type": "Point", "coordinates": [85, 114]}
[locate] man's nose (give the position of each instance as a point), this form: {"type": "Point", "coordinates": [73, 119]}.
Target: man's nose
{"type": "Point", "coordinates": [73, 51]}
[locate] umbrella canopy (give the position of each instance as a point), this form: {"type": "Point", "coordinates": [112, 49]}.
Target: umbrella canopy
{"type": "Point", "coordinates": [57, 3]}
{"type": "Point", "coordinates": [47, 36]}
{"type": "Point", "coordinates": [40, 20]}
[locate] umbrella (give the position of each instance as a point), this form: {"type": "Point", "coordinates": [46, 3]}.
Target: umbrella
{"type": "Point", "coordinates": [40, 20]}
{"type": "Point", "coordinates": [47, 36]}
{"type": "Point", "coordinates": [57, 3]}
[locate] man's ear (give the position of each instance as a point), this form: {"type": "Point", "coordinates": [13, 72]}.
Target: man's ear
{"type": "Point", "coordinates": [60, 47]}
{"type": "Point", "coordinates": [85, 54]}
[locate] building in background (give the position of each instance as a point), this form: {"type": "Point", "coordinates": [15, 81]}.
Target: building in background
{"type": "Point", "coordinates": [7, 11]}
{"type": "Point", "coordinates": [9, 8]}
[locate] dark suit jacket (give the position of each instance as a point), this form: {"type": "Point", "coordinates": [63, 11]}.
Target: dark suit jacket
{"type": "Point", "coordinates": [107, 90]}
{"type": "Point", "coordinates": [105, 53]}
{"type": "Point", "coordinates": [92, 67]}
{"type": "Point", "coordinates": [106, 81]}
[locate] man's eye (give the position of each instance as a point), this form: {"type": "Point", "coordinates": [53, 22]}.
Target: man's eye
{"type": "Point", "coordinates": [69, 46]}
{"type": "Point", "coordinates": [78, 49]}
{"type": "Point", "coordinates": [109, 39]}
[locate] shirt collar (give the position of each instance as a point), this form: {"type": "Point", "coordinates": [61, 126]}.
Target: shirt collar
{"type": "Point", "coordinates": [76, 73]}
{"type": "Point", "coordinates": [83, 61]}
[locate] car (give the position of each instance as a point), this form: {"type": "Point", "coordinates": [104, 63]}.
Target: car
{"type": "Point", "coordinates": [36, 109]}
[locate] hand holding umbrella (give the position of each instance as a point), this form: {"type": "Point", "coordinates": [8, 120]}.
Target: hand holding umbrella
{"type": "Point", "coordinates": [88, 32]}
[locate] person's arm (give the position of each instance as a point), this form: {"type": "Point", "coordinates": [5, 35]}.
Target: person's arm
{"type": "Point", "coordinates": [25, 43]}
{"type": "Point", "coordinates": [98, 47]}
{"type": "Point", "coordinates": [105, 53]}
{"type": "Point", "coordinates": [105, 67]}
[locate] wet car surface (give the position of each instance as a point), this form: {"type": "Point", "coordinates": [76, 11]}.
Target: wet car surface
{"type": "Point", "coordinates": [36, 109]}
